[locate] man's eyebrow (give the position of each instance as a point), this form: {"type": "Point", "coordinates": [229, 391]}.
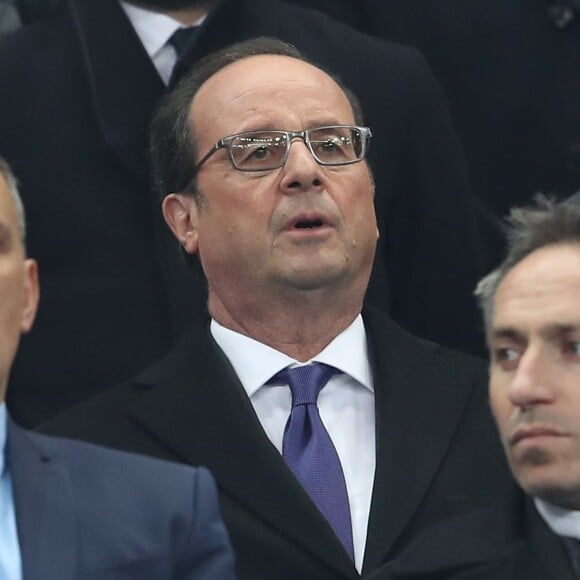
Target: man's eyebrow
{"type": "Point", "coordinates": [275, 126]}
{"type": "Point", "coordinates": [326, 122]}
{"type": "Point", "coordinates": [506, 333]}
{"type": "Point", "coordinates": [563, 328]}
{"type": "Point", "coordinates": [551, 330]}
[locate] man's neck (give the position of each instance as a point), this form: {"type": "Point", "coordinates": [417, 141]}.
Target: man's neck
{"type": "Point", "coordinates": [188, 17]}
{"type": "Point", "coordinates": [300, 330]}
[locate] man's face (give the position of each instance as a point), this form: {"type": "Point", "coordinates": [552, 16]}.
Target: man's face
{"type": "Point", "coordinates": [18, 286]}
{"type": "Point", "coordinates": [535, 372]}
{"type": "Point", "coordinates": [247, 230]}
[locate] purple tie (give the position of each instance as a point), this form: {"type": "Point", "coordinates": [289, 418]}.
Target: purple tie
{"type": "Point", "coordinates": [309, 451]}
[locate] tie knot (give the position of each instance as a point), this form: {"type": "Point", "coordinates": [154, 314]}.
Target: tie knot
{"type": "Point", "coordinates": [306, 382]}
{"type": "Point", "coordinates": [182, 39]}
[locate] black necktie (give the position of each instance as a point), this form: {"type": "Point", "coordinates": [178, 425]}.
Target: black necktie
{"type": "Point", "coordinates": [181, 40]}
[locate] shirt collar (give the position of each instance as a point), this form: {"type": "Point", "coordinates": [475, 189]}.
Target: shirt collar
{"type": "Point", "coordinates": [255, 363]}
{"type": "Point", "coordinates": [561, 521]}
{"type": "Point", "coordinates": [3, 421]}
{"type": "Point", "coordinates": [153, 28]}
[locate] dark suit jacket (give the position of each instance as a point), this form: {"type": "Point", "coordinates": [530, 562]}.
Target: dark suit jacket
{"type": "Point", "coordinates": [437, 451]}
{"type": "Point", "coordinates": [74, 120]}
{"type": "Point", "coordinates": [510, 70]}
{"type": "Point", "coordinates": [87, 513]}
{"type": "Point", "coordinates": [509, 541]}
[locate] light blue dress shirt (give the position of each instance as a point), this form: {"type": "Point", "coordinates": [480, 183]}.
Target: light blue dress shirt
{"type": "Point", "coordinates": [10, 559]}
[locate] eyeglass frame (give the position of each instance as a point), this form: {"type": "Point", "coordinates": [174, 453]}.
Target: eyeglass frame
{"type": "Point", "coordinates": [225, 143]}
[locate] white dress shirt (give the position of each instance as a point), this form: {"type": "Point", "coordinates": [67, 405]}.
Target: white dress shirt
{"type": "Point", "coordinates": [561, 521]}
{"type": "Point", "coordinates": [155, 29]}
{"type": "Point", "coordinates": [346, 405]}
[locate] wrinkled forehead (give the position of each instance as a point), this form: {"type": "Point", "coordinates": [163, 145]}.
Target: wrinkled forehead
{"type": "Point", "coordinates": [550, 265]}
{"type": "Point", "coordinates": [542, 289]}
{"type": "Point", "coordinates": [269, 80]}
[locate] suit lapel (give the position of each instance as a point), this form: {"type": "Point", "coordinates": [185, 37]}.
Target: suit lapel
{"type": "Point", "coordinates": [44, 510]}
{"type": "Point", "coordinates": [123, 82]}
{"type": "Point", "coordinates": [414, 423]}
{"type": "Point", "coordinates": [201, 413]}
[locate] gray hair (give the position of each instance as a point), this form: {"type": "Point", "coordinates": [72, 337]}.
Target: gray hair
{"type": "Point", "coordinates": [12, 184]}
{"type": "Point", "coordinates": [546, 223]}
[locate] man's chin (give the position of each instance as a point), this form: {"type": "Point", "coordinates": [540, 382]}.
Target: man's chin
{"type": "Point", "coordinates": [314, 277]}
{"type": "Point", "coordinates": [559, 495]}
{"type": "Point", "coordinates": [548, 482]}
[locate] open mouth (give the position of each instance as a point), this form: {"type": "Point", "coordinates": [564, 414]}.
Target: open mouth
{"type": "Point", "coordinates": [308, 224]}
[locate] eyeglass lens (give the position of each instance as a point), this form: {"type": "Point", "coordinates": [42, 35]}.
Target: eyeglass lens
{"type": "Point", "coordinates": [264, 150]}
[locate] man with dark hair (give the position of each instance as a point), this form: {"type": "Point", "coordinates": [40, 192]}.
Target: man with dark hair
{"type": "Point", "coordinates": [531, 305]}
{"type": "Point", "coordinates": [334, 436]}
{"type": "Point", "coordinates": [73, 511]}
{"type": "Point", "coordinates": [111, 274]}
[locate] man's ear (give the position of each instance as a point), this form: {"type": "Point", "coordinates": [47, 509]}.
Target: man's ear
{"type": "Point", "coordinates": [181, 214]}
{"type": "Point", "coordinates": [31, 294]}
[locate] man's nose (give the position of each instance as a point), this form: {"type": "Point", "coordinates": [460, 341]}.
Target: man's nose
{"type": "Point", "coordinates": [533, 380]}
{"type": "Point", "coordinates": [301, 171]}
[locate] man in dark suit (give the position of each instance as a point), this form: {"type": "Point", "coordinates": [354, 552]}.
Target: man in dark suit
{"type": "Point", "coordinates": [531, 304]}
{"type": "Point", "coordinates": [71, 510]}
{"type": "Point", "coordinates": [509, 69]}
{"type": "Point", "coordinates": [260, 156]}
{"type": "Point", "coordinates": [111, 274]}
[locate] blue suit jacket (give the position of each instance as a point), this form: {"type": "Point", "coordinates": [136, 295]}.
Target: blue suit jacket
{"type": "Point", "coordinates": [84, 512]}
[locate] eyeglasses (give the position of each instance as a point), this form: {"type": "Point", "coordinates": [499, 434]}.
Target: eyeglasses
{"type": "Point", "coordinates": [267, 150]}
